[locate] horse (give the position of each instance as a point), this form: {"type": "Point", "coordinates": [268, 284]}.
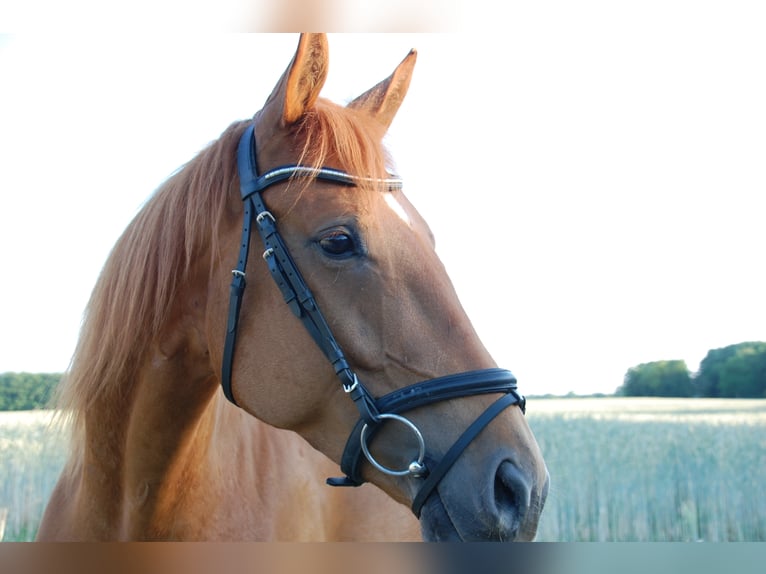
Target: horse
{"type": "Point", "coordinates": [214, 386]}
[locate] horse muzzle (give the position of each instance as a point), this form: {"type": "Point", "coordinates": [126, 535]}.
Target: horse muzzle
{"type": "Point", "coordinates": [502, 505]}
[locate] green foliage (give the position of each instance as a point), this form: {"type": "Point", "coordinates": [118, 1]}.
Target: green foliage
{"type": "Point", "coordinates": [736, 371]}
{"type": "Point", "coordinates": [26, 391]}
{"type": "Point", "coordinates": [657, 379]}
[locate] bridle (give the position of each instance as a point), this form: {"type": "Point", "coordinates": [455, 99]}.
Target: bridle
{"type": "Point", "coordinates": [301, 302]}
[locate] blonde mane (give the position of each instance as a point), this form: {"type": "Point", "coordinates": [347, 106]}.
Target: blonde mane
{"type": "Point", "coordinates": [152, 259]}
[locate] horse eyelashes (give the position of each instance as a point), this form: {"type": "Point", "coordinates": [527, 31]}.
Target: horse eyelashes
{"type": "Point", "coordinates": [338, 244]}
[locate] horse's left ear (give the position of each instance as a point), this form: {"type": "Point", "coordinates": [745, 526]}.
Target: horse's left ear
{"type": "Point", "coordinates": [383, 100]}
{"type": "Point", "coordinates": [298, 88]}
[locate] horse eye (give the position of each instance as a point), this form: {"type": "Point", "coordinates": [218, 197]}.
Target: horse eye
{"type": "Point", "coordinates": [337, 243]}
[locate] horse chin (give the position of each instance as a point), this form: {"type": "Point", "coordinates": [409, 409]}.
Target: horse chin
{"type": "Point", "coordinates": [440, 524]}
{"type": "Point", "coordinates": [435, 522]}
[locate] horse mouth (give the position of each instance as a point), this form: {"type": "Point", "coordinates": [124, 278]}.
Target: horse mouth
{"type": "Point", "coordinates": [436, 525]}
{"type": "Point", "coordinates": [440, 522]}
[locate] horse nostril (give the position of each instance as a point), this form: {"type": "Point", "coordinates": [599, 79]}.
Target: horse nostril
{"type": "Point", "coordinates": [513, 496]}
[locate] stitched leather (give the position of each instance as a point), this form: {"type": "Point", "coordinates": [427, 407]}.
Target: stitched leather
{"type": "Point", "coordinates": [485, 381]}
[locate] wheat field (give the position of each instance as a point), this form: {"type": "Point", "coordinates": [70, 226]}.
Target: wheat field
{"type": "Point", "coordinates": [32, 453]}
{"type": "Point", "coordinates": [622, 469]}
{"type": "Point", "coordinates": [650, 469]}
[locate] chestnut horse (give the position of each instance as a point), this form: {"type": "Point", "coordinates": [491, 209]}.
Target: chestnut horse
{"type": "Point", "coordinates": [171, 333]}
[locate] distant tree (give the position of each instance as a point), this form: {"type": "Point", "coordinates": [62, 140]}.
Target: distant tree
{"type": "Point", "coordinates": [737, 371]}
{"type": "Point", "coordinates": [708, 379]}
{"type": "Point", "coordinates": [26, 391]}
{"type": "Point", "coordinates": [657, 379]}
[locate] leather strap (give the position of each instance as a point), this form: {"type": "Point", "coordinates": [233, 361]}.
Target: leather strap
{"type": "Point", "coordinates": [301, 302]}
{"type": "Point", "coordinates": [435, 476]}
{"type": "Point", "coordinates": [484, 381]}
{"type": "Point", "coordinates": [283, 270]}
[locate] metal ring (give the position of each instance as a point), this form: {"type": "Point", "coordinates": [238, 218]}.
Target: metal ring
{"type": "Point", "coordinates": [416, 467]}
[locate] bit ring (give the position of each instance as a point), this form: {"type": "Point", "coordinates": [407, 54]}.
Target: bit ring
{"type": "Point", "coordinates": [414, 468]}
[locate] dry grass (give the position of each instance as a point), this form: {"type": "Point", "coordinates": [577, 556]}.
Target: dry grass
{"type": "Point", "coordinates": [32, 453]}
{"type": "Point", "coordinates": [635, 469]}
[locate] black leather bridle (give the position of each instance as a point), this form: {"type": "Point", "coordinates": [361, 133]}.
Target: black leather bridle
{"type": "Point", "coordinates": [301, 302]}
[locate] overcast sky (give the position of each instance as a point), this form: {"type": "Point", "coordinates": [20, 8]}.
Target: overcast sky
{"type": "Point", "coordinates": [595, 181]}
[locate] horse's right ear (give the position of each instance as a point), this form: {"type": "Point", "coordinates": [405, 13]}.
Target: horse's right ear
{"type": "Point", "coordinates": [298, 88]}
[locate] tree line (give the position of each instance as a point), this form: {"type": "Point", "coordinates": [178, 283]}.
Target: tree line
{"type": "Point", "coordinates": [736, 371]}
{"type": "Point", "coordinates": [27, 391]}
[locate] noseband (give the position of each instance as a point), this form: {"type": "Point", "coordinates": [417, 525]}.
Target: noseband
{"type": "Point", "coordinates": [373, 412]}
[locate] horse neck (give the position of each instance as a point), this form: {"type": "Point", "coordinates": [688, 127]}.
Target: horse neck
{"type": "Point", "coordinates": [176, 460]}
{"type": "Point", "coordinates": [153, 444]}
{"type": "Point", "coordinates": [173, 459]}
{"type": "Point", "coordinates": [193, 466]}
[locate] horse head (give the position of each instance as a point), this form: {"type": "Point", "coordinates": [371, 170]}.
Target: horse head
{"type": "Point", "coordinates": [368, 262]}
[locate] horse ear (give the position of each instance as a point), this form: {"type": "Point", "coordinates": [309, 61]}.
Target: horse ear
{"type": "Point", "coordinates": [383, 100]}
{"type": "Point", "coordinates": [298, 88]}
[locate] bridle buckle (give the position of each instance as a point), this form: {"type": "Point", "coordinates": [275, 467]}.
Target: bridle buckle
{"type": "Point", "coordinates": [263, 215]}
{"type": "Point", "coordinates": [348, 388]}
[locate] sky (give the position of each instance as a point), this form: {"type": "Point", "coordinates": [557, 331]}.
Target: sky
{"type": "Point", "coordinates": [595, 177]}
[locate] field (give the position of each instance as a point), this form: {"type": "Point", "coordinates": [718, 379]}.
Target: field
{"type": "Point", "coordinates": [634, 469]}
{"type": "Point", "coordinates": [621, 469]}
{"type": "Point", "coordinates": [32, 453]}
